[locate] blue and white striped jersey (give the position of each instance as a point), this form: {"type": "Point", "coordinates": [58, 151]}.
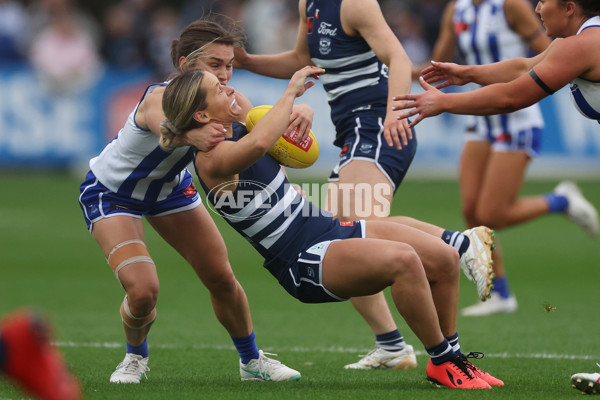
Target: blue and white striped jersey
{"type": "Point", "coordinates": [585, 93]}
{"type": "Point", "coordinates": [483, 36]}
{"type": "Point", "coordinates": [354, 77]}
{"type": "Point", "coordinates": [134, 165]}
{"type": "Point", "coordinates": [268, 212]}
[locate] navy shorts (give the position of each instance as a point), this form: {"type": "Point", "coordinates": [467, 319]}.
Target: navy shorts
{"type": "Point", "coordinates": [303, 278]}
{"type": "Point", "coordinates": [366, 142]}
{"type": "Point", "coordinates": [98, 202]}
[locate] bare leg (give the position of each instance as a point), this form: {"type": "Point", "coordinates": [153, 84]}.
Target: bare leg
{"type": "Point", "coordinates": [195, 236]}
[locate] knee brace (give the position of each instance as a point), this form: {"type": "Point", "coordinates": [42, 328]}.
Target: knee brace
{"type": "Point", "coordinates": [128, 252]}
{"type": "Point", "coordinates": [132, 321]}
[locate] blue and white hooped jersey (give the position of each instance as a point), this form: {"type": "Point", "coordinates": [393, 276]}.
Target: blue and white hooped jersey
{"type": "Point", "coordinates": [268, 212]}
{"type": "Point", "coordinates": [483, 36]}
{"type": "Point", "coordinates": [585, 93]}
{"type": "Point", "coordinates": [354, 77]}
{"type": "Point", "coordinates": [134, 165]}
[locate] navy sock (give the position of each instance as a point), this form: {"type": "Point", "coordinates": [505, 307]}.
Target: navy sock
{"type": "Point", "coordinates": [391, 341]}
{"type": "Point", "coordinates": [246, 347]}
{"type": "Point", "coordinates": [2, 354]}
{"type": "Point", "coordinates": [501, 287]}
{"type": "Point", "coordinates": [441, 353]}
{"type": "Point", "coordinates": [457, 240]}
{"type": "Point", "coordinates": [141, 350]}
{"type": "Point", "coordinates": [556, 203]}
{"type": "Point", "coordinates": [453, 341]}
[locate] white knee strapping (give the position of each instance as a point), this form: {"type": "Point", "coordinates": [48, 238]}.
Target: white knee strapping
{"type": "Point", "coordinates": [135, 322]}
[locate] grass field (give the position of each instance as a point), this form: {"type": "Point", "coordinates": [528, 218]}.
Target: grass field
{"type": "Point", "coordinates": [51, 263]}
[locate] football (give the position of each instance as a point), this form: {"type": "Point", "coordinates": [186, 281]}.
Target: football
{"type": "Point", "coordinates": [286, 151]}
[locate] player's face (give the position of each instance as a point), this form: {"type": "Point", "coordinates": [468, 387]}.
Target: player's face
{"type": "Point", "coordinates": [222, 105]}
{"type": "Point", "coordinates": [552, 14]}
{"type": "Point", "coordinates": [218, 60]}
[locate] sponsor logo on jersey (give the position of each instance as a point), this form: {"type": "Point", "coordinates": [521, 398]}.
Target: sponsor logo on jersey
{"type": "Point", "coordinates": [325, 29]}
{"type": "Point", "coordinates": [317, 13]}
{"type": "Point", "coordinates": [309, 25]}
{"type": "Point", "coordinates": [346, 223]}
{"type": "Point", "coordinates": [344, 149]}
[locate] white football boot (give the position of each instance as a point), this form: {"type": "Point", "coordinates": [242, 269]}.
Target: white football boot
{"type": "Point", "coordinates": [496, 304]}
{"type": "Point", "coordinates": [131, 369]}
{"type": "Point", "coordinates": [379, 358]}
{"type": "Point", "coordinates": [580, 211]}
{"type": "Point", "coordinates": [267, 369]}
{"type": "Point", "coordinates": [476, 262]}
{"type": "Point", "coordinates": [587, 383]}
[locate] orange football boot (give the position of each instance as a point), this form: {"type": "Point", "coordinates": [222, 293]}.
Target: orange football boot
{"type": "Point", "coordinates": [454, 374]}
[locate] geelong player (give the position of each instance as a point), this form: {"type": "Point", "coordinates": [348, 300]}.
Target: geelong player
{"type": "Point", "coordinates": [364, 63]}
{"type": "Point", "coordinates": [134, 177]}
{"type": "Point", "coordinates": [314, 257]}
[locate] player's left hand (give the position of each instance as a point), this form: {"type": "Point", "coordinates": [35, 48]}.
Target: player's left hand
{"type": "Point", "coordinates": [423, 105]}
{"type": "Point", "coordinates": [300, 123]}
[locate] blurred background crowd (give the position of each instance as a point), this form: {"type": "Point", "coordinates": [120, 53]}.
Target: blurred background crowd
{"type": "Point", "coordinates": [68, 41]}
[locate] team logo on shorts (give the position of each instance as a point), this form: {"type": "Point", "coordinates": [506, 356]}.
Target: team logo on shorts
{"type": "Point", "coordinates": [189, 191]}
{"type": "Point", "coordinates": [366, 148]}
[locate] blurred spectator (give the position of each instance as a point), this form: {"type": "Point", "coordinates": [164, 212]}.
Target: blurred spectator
{"type": "Point", "coordinates": [163, 29]}
{"type": "Point", "coordinates": [122, 47]}
{"type": "Point", "coordinates": [192, 10]}
{"type": "Point", "coordinates": [64, 54]}
{"type": "Point", "coordinates": [13, 29]}
{"type": "Point", "coordinates": [408, 27]}
{"type": "Point", "coordinates": [271, 25]}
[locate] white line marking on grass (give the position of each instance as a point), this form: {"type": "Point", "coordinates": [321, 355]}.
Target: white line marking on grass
{"type": "Point", "coordinates": [331, 349]}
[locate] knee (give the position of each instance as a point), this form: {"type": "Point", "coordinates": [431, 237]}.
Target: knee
{"type": "Point", "coordinates": [493, 218]}
{"type": "Point", "coordinates": [142, 299]}
{"type": "Point", "coordinates": [406, 264]}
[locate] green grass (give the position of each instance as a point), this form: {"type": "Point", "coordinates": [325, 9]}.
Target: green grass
{"type": "Point", "coordinates": [50, 262]}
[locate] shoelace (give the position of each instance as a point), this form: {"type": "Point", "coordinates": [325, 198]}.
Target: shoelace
{"type": "Point", "coordinates": [463, 366]}
{"type": "Point", "coordinates": [133, 366]}
{"type": "Point", "coordinates": [475, 355]}
{"type": "Point", "coordinates": [265, 359]}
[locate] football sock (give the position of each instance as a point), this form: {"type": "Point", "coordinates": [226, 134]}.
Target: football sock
{"type": "Point", "coordinates": [556, 203]}
{"type": "Point", "coordinates": [141, 350]}
{"type": "Point", "coordinates": [391, 341]}
{"type": "Point", "coordinates": [457, 240]}
{"type": "Point", "coordinates": [501, 286]}
{"type": "Point", "coordinates": [1, 354]}
{"type": "Point", "coordinates": [453, 341]}
{"type": "Point", "coordinates": [441, 353]}
{"type": "Point", "coordinates": [246, 347]}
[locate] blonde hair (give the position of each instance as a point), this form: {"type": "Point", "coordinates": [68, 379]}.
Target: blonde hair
{"type": "Point", "coordinates": [182, 97]}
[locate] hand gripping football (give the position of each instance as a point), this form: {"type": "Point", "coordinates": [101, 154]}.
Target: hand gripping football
{"type": "Point", "coordinates": [286, 151]}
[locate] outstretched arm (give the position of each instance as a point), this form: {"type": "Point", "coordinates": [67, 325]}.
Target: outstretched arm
{"type": "Point", "coordinates": [552, 74]}
{"type": "Point", "coordinates": [282, 65]}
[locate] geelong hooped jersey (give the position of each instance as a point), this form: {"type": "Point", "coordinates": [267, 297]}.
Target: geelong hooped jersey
{"type": "Point", "coordinates": [354, 76]}
{"type": "Point", "coordinates": [483, 36]}
{"type": "Point", "coordinates": [585, 93]}
{"type": "Point", "coordinates": [134, 165]}
{"type": "Point", "coordinates": [268, 211]}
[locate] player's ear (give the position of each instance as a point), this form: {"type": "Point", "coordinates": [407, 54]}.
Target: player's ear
{"type": "Point", "coordinates": [201, 117]}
